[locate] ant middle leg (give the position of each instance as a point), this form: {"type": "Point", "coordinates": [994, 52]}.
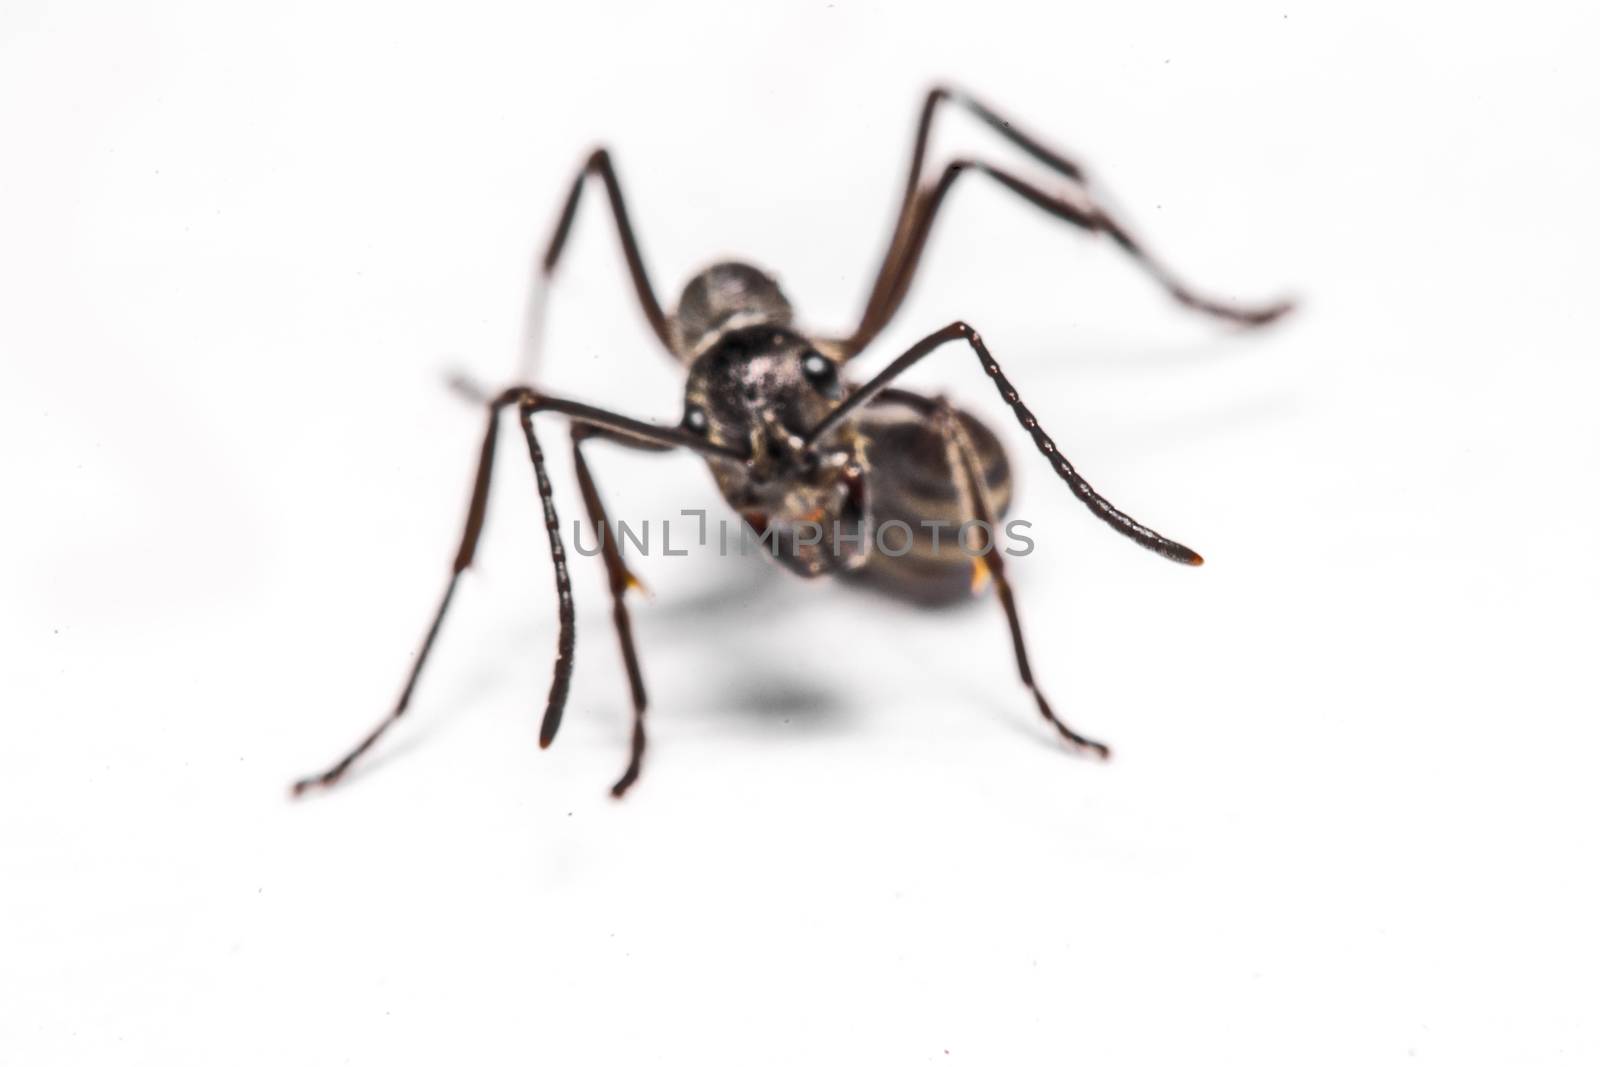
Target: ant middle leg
{"type": "Point", "coordinates": [528, 403]}
{"type": "Point", "coordinates": [477, 511]}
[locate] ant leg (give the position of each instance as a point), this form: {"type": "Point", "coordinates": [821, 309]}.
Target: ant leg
{"type": "Point", "coordinates": [979, 505]}
{"type": "Point", "coordinates": [1084, 214]}
{"type": "Point", "coordinates": [528, 403]}
{"type": "Point", "coordinates": [1057, 162]}
{"type": "Point", "coordinates": [621, 579]}
{"type": "Point", "coordinates": [599, 164]}
{"type": "Point", "coordinates": [960, 331]}
{"type": "Point", "coordinates": [920, 207]}
{"type": "Point", "coordinates": [476, 512]}
{"type": "Point", "coordinates": [643, 434]}
{"type": "Point", "coordinates": [910, 204]}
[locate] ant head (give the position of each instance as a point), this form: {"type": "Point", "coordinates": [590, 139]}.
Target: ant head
{"type": "Point", "coordinates": [759, 390]}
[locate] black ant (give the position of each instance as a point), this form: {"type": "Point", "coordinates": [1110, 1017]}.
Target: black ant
{"type": "Point", "coordinates": [790, 443]}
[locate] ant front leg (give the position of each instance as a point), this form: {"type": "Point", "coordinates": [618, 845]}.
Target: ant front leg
{"type": "Point", "coordinates": [979, 506]}
{"type": "Point", "coordinates": [620, 579]}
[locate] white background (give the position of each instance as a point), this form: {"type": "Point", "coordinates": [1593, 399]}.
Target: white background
{"type": "Point", "coordinates": [1351, 817]}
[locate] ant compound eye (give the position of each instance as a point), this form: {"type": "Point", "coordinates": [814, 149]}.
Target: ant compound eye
{"type": "Point", "coordinates": [819, 371]}
{"type": "Point", "coordinates": [695, 421]}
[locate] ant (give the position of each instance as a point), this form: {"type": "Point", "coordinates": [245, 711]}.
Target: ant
{"type": "Point", "coordinates": [790, 444]}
